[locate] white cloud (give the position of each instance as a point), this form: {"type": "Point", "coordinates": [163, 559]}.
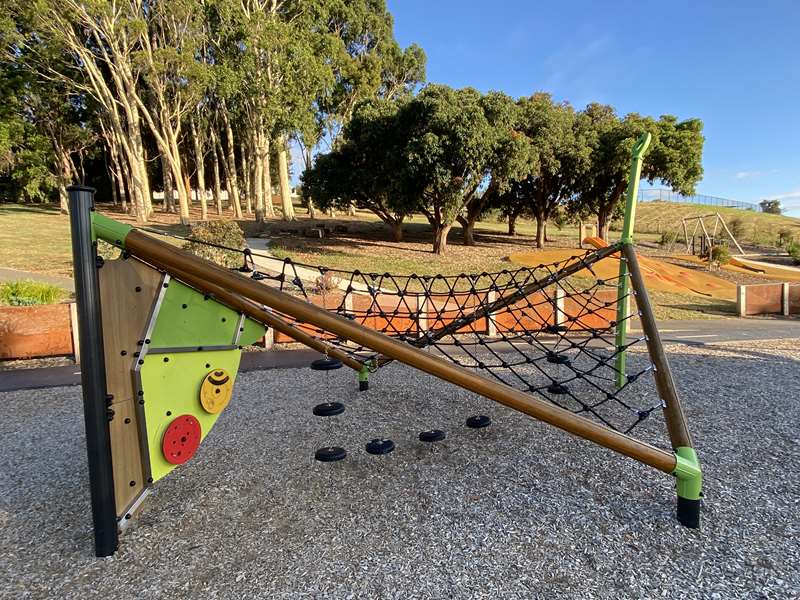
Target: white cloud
{"type": "Point", "coordinates": [751, 174]}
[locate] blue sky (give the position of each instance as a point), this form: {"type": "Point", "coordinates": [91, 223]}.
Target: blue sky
{"type": "Point", "coordinates": [735, 65]}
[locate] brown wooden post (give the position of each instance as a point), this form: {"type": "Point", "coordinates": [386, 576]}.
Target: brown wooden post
{"type": "Point", "coordinates": [673, 411]}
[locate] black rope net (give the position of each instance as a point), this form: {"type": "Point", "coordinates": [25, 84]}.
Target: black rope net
{"type": "Point", "coordinates": [548, 330]}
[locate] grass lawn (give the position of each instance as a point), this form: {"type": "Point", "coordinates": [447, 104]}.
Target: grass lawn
{"type": "Point", "coordinates": [35, 238]}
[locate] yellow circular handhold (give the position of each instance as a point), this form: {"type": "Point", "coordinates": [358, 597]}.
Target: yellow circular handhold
{"type": "Point", "coordinates": [216, 390]}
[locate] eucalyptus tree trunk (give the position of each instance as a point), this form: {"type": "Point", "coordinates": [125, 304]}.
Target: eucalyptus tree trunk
{"type": "Point", "coordinates": [247, 179]}
{"type": "Point", "coordinates": [169, 191]}
{"type": "Point", "coordinates": [199, 161]}
{"type": "Point", "coordinates": [283, 177]}
{"type": "Point", "coordinates": [230, 168]}
{"type": "Point", "coordinates": [215, 172]}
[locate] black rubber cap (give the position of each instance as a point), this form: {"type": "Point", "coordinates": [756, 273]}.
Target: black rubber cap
{"type": "Point", "coordinates": [379, 446]}
{"type": "Point", "coordinates": [689, 512]}
{"type": "Point", "coordinates": [557, 359]}
{"type": "Point", "coordinates": [363, 386]}
{"type": "Point", "coordinates": [326, 364]}
{"type": "Point", "coordinates": [478, 422]}
{"type": "Point", "coordinates": [328, 409]}
{"type": "Point", "coordinates": [557, 388]}
{"type": "Point", "coordinates": [330, 454]}
{"type": "Point", "coordinates": [434, 435]}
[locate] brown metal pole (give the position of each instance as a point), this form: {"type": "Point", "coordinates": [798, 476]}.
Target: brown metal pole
{"type": "Point", "coordinates": [256, 312]}
{"type": "Point", "coordinates": [209, 275]}
{"type": "Point", "coordinates": [673, 411]}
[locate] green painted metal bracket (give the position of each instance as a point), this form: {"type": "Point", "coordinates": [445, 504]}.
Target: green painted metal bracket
{"type": "Point", "coordinates": [109, 230]}
{"type": "Point", "coordinates": [623, 300]}
{"type": "Point", "coordinates": [688, 473]}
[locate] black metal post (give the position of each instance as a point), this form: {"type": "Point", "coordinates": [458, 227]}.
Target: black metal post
{"type": "Point", "coordinates": [93, 372]}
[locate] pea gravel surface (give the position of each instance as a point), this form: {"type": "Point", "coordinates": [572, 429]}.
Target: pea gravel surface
{"type": "Point", "coordinates": [516, 510]}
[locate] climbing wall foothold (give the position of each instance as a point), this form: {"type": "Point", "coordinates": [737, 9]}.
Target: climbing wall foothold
{"type": "Point", "coordinates": [216, 391]}
{"type": "Point", "coordinates": [181, 439]}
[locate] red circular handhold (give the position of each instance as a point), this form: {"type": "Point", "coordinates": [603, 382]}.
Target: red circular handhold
{"type": "Point", "coordinates": [181, 439]}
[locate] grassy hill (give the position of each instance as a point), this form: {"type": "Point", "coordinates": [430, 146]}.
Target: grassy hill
{"type": "Point", "coordinates": [756, 228]}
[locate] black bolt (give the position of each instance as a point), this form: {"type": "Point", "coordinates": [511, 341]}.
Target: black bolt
{"type": "Point", "coordinates": [138, 288]}
{"type": "Point", "coordinates": [127, 421]}
{"type": "Point", "coordinates": [166, 359]}
{"type": "Point", "coordinates": [123, 353]}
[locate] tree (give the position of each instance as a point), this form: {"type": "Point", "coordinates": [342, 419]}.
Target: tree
{"type": "Point", "coordinates": [510, 159]}
{"type": "Point", "coordinates": [448, 154]}
{"type": "Point", "coordinates": [366, 168]}
{"type": "Point", "coordinates": [558, 154]}
{"type": "Point", "coordinates": [674, 157]}
{"type": "Point", "coordinates": [772, 207]}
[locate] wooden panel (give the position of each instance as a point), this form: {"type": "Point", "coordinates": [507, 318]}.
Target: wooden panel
{"type": "Point", "coordinates": [126, 456]}
{"type": "Point", "coordinates": [127, 292]}
{"type": "Point", "coordinates": [33, 331]}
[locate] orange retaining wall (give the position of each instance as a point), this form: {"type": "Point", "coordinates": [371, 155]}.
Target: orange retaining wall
{"type": "Point", "coordinates": [35, 331]}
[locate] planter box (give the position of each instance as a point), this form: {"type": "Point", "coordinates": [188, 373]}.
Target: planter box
{"type": "Point", "coordinates": [35, 331]}
{"type": "Point", "coordinates": [768, 299]}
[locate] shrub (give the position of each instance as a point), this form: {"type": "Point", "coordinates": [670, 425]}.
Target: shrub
{"type": "Point", "coordinates": [794, 251]}
{"type": "Point", "coordinates": [736, 225]}
{"type": "Point", "coordinates": [223, 233]}
{"type": "Point", "coordinates": [785, 236]}
{"type": "Point", "coordinates": [720, 255]}
{"type": "Point", "coordinates": [668, 238]}
{"type": "Point", "coordinates": [29, 293]}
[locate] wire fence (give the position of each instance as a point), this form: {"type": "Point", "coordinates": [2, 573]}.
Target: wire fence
{"type": "Point", "coordinates": [664, 195]}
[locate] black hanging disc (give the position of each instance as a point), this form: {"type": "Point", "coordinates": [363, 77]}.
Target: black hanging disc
{"type": "Point", "coordinates": [328, 409]}
{"type": "Point", "coordinates": [478, 422]}
{"type": "Point", "coordinates": [326, 364]}
{"type": "Point", "coordinates": [557, 359]}
{"type": "Point", "coordinates": [555, 329]}
{"type": "Point", "coordinates": [557, 388]}
{"type": "Point", "coordinates": [379, 446]}
{"type": "Point", "coordinates": [330, 454]}
{"type": "Point", "coordinates": [434, 435]}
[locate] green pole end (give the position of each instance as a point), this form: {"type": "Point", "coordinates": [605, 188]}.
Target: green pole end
{"type": "Point", "coordinates": [109, 230]}
{"type": "Point", "coordinates": [690, 486]}
{"type": "Point", "coordinates": [363, 379]}
{"type": "Point", "coordinates": [687, 470]}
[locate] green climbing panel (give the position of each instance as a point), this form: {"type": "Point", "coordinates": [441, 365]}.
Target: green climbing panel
{"type": "Point", "coordinates": [189, 319]}
{"type": "Point", "coordinates": [171, 380]}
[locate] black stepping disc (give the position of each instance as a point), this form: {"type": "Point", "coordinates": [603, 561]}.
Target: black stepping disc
{"type": "Point", "coordinates": [379, 446]}
{"type": "Point", "coordinates": [557, 388]}
{"type": "Point", "coordinates": [326, 364]}
{"type": "Point", "coordinates": [434, 435]}
{"type": "Point", "coordinates": [328, 409]}
{"type": "Point", "coordinates": [478, 422]}
{"type": "Point", "coordinates": [557, 359]}
{"type": "Point", "coordinates": [330, 454]}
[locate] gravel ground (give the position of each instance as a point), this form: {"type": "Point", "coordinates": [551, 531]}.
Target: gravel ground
{"type": "Point", "coordinates": [518, 510]}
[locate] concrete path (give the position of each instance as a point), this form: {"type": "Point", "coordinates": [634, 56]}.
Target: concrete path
{"type": "Point", "coordinates": [65, 283]}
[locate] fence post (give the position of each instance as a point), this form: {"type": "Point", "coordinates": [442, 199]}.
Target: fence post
{"type": "Point", "coordinates": [785, 299]}
{"type": "Point", "coordinates": [491, 325]}
{"type": "Point", "coordinates": [741, 300]}
{"type": "Point", "coordinates": [93, 370]}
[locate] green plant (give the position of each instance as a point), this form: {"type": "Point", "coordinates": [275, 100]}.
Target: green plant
{"type": "Point", "coordinates": [668, 238]}
{"type": "Point", "coordinates": [785, 236]}
{"type": "Point", "coordinates": [221, 233]}
{"type": "Point", "coordinates": [29, 293]}
{"type": "Point", "coordinates": [794, 251]}
{"type": "Point", "coordinates": [720, 255]}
